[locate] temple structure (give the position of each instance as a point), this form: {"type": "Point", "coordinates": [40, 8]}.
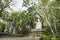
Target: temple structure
{"type": "Point", "coordinates": [38, 27]}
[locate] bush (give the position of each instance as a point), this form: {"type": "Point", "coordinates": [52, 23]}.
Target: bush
{"type": "Point", "coordinates": [45, 37]}
{"type": "Point", "coordinates": [0, 28]}
{"type": "Point", "coordinates": [15, 35]}
{"type": "Point", "coordinates": [54, 38]}
{"type": "Point", "coordinates": [25, 31]}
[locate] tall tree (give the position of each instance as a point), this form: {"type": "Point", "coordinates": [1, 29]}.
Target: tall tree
{"type": "Point", "coordinates": [4, 4]}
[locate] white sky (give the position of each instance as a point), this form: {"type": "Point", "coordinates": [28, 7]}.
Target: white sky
{"type": "Point", "coordinates": [17, 5]}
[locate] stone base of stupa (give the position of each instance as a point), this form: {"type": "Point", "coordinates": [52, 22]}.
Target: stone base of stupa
{"type": "Point", "coordinates": [35, 32]}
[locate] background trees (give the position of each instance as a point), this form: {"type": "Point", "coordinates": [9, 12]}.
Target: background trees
{"type": "Point", "coordinates": [3, 13]}
{"type": "Point", "coordinates": [23, 22]}
{"type": "Point", "coordinates": [4, 4]}
{"type": "Point", "coordinates": [48, 10]}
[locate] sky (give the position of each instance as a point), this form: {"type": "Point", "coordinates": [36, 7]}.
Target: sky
{"type": "Point", "coordinates": [17, 5]}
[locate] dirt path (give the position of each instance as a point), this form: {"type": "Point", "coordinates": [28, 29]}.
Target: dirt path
{"type": "Point", "coordinates": [20, 38]}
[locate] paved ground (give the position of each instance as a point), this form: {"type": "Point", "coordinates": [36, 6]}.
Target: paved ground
{"type": "Point", "coordinates": [20, 38]}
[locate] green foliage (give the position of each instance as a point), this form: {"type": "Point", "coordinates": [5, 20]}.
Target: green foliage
{"type": "Point", "coordinates": [4, 4]}
{"type": "Point", "coordinates": [45, 37]}
{"type": "Point", "coordinates": [19, 19]}
{"type": "Point", "coordinates": [54, 38]}
{"type": "Point", "coordinates": [48, 10]}
{"type": "Point", "coordinates": [2, 27]}
{"type": "Point", "coordinates": [15, 35]}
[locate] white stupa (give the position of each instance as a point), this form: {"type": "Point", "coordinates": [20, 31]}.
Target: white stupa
{"type": "Point", "coordinates": [38, 27]}
{"type": "Point", "coordinates": [38, 24]}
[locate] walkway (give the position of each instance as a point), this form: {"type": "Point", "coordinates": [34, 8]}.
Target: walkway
{"type": "Point", "coordinates": [20, 38]}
